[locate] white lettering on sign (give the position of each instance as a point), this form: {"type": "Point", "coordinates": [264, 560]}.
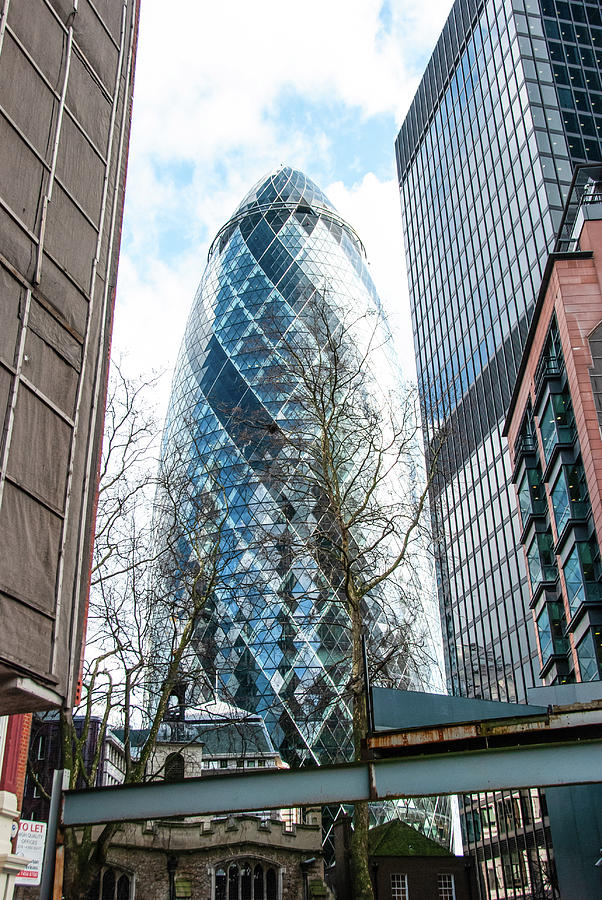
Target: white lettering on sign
{"type": "Point", "coordinates": [30, 844]}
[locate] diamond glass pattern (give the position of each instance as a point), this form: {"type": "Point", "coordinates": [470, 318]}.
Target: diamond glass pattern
{"type": "Point", "coordinates": [275, 640]}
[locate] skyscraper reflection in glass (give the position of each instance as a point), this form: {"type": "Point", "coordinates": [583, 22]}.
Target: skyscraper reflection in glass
{"type": "Point", "coordinates": [274, 635]}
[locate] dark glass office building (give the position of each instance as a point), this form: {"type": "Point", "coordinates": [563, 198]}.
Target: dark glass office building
{"type": "Point", "coordinates": [510, 102]}
{"type": "Point", "coordinates": [275, 636]}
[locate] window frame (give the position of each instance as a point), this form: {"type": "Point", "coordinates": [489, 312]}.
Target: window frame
{"type": "Point", "coordinates": [398, 882]}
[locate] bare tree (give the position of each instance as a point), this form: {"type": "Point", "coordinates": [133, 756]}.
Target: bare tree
{"type": "Point", "coordinates": [147, 600]}
{"type": "Point", "coordinates": [346, 449]}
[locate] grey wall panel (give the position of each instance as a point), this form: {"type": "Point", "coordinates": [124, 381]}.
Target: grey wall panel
{"type": "Point", "coordinates": [89, 104]}
{"type": "Point", "coordinates": [10, 299]}
{"type": "Point", "coordinates": [41, 34]}
{"type": "Point", "coordinates": [29, 632]}
{"type": "Point", "coordinates": [39, 449]}
{"type": "Point", "coordinates": [80, 169]}
{"type": "Point", "coordinates": [16, 246]}
{"type": "Point", "coordinates": [66, 228]}
{"type": "Point", "coordinates": [22, 176]}
{"type": "Point", "coordinates": [26, 98]}
{"type": "Point", "coordinates": [30, 543]}
{"type": "Point", "coordinates": [60, 130]}
{"type": "Point", "coordinates": [100, 49]}
{"type": "Point", "coordinates": [69, 304]}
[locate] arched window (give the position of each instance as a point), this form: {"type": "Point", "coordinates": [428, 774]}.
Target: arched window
{"type": "Point", "coordinates": [233, 883]}
{"type": "Point", "coordinates": [258, 882]}
{"type": "Point", "coordinates": [271, 885]}
{"type": "Point", "coordinates": [220, 885]}
{"type": "Point", "coordinates": [108, 884]}
{"type": "Point", "coordinates": [174, 767]}
{"type": "Point", "coordinates": [247, 879]}
{"type": "Point", "coordinates": [123, 888]}
{"type": "Point", "coordinates": [246, 882]}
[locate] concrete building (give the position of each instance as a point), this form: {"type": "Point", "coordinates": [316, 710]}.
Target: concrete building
{"type": "Point", "coordinates": [510, 102]}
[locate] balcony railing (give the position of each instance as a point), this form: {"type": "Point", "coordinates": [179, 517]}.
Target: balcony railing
{"type": "Point", "coordinates": [548, 367]}
{"type": "Point", "coordinates": [525, 443]}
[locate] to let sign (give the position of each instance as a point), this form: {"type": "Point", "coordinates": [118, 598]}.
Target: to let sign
{"type": "Point", "coordinates": [30, 844]}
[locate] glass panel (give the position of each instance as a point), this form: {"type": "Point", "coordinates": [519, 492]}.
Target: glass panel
{"type": "Point", "coordinates": [581, 572]}
{"type": "Point", "coordinates": [123, 888]}
{"type": "Point", "coordinates": [541, 560]}
{"type": "Point", "coordinates": [174, 767]}
{"type": "Point", "coordinates": [557, 422]}
{"type": "Point", "coordinates": [233, 892]}
{"type": "Point", "coordinates": [561, 503]}
{"type": "Point", "coordinates": [531, 496]}
{"type": "Point", "coordinates": [577, 490]}
{"type": "Point", "coordinates": [550, 627]}
{"type": "Point", "coordinates": [547, 427]}
{"type": "Point", "coordinates": [589, 654]}
{"type": "Point", "coordinates": [246, 882]}
{"type": "Point", "coordinates": [445, 884]}
{"type": "Point", "coordinates": [220, 885]}
{"type": "Point", "coordinates": [271, 885]}
{"type": "Point", "coordinates": [399, 886]}
{"type": "Point", "coordinates": [258, 883]}
{"type": "Point", "coordinates": [574, 581]}
{"type": "Point", "coordinates": [108, 884]}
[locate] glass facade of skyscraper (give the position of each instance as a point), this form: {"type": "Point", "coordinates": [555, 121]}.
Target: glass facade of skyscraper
{"type": "Point", "coordinates": [509, 103]}
{"type": "Point", "coordinates": [275, 635]}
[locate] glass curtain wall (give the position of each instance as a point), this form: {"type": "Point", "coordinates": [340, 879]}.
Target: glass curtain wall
{"type": "Point", "coordinates": [485, 158]}
{"type": "Point", "coordinates": [275, 637]}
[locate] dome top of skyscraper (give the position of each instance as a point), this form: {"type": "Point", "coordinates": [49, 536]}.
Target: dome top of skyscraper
{"type": "Point", "coordinates": [286, 185]}
{"type": "Point", "coordinates": [281, 193]}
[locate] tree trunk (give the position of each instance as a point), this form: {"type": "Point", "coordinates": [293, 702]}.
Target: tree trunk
{"type": "Point", "coordinates": [84, 859]}
{"type": "Point", "coordinates": [361, 883]}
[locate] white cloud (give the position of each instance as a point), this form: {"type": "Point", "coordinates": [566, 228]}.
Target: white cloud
{"type": "Point", "coordinates": [211, 117]}
{"type": "Point", "coordinates": [372, 208]}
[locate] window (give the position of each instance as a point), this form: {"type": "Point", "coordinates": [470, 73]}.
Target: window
{"type": "Point", "coordinates": [551, 362]}
{"type": "Point", "coordinates": [531, 497]}
{"type": "Point", "coordinates": [550, 627]}
{"type": "Point", "coordinates": [246, 879]}
{"type": "Point", "coordinates": [589, 654]}
{"type": "Point", "coordinates": [183, 887]}
{"type": "Point", "coordinates": [399, 886]}
{"type": "Point", "coordinates": [446, 886]}
{"type": "Point", "coordinates": [541, 560]}
{"type": "Point", "coordinates": [557, 423]}
{"type": "Point", "coordinates": [174, 767]}
{"type": "Point", "coordinates": [124, 888]}
{"type": "Point", "coordinates": [581, 574]}
{"type": "Point", "coordinates": [569, 496]}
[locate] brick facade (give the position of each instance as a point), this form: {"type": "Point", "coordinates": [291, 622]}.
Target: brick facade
{"type": "Point", "coordinates": [571, 297]}
{"type": "Point", "coordinates": [14, 761]}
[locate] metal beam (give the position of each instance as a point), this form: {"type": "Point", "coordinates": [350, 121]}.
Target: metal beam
{"type": "Point", "coordinates": [467, 771]}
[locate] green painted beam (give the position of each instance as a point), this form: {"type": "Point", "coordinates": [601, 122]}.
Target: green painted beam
{"type": "Point", "coordinates": [466, 771]}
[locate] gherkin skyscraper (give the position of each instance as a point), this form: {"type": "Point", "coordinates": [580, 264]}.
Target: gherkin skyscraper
{"type": "Point", "coordinates": [273, 638]}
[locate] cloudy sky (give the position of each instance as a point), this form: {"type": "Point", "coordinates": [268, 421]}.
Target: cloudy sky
{"type": "Point", "coordinates": [227, 92]}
